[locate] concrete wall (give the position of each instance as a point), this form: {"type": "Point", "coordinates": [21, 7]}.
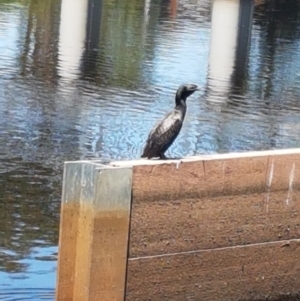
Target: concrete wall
{"type": "Point", "coordinates": [223, 227]}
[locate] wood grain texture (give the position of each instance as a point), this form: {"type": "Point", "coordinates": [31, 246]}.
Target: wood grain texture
{"type": "Point", "coordinates": [109, 257]}
{"type": "Point", "coordinates": [94, 233]}
{"type": "Point", "coordinates": [214, 177]}
{"type": "Point", "coordinates": [101, 255]}
{"type": "Point", "coordinates": [255, 272]}
{"type": "Point", "coordinates": [207, 223]}
{"type": "Point", "coordinates": [66, 265]}
{"type": "Point", "coordinates": [217, 204]}
{"type": "Point", "coordinates": [70, 208]}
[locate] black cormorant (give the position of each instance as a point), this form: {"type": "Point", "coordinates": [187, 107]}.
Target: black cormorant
{"type": "Point", "coordinates": [166, 131]}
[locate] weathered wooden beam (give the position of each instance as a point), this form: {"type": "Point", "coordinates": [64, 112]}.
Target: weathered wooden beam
{"type": "Point", "coordinates": [215, 227]}
{"type": "Point", "coordinates": [70, 207]}
{"type": "Point", "coordinates": [94, 230]}
{"type": "Point", "coordinates": [255, 272]}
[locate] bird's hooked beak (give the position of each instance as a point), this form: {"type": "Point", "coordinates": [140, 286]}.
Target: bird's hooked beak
{"type": "Point", "coordinates": [194, 88]}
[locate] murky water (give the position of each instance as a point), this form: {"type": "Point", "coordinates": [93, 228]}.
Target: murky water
{"type": "Point", "coordinates": [77, 83]}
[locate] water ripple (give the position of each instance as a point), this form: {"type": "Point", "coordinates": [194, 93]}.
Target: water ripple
{"type": "Point", "coordinates": [98, 97]}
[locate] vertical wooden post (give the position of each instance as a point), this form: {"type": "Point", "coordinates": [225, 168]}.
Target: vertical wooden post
{"type": "Point", "coordinates": [68, 230]}
{"type": "Point", "coordinates": [94, 231]}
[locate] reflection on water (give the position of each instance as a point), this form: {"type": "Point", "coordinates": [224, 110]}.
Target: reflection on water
{"type": "Point", "coordinates": [88, 78]}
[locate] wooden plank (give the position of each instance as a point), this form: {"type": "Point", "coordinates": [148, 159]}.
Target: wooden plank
{"type": "Point", "coordinates": [209, 157]}
{"type": "Point", "coordinates": [100, 243]}
{"type": "Point", "coordinates": [68, 231]}
{"type": "Point", "coordinates": [111, 235]}
{"type": "Point", "coordinates": [254, 272]}
{"type": "Point", "coordinates": [222, 203]}
{"type": "Point", "coordinates": [85, 233]}
{"type": "Point", "coordinates": [206, 223]}
{"type": "Point", "coordinates": [214, 177]}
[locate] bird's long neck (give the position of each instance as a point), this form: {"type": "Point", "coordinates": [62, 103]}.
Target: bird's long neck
{"type": "Point", "coordinates": [180, 105]}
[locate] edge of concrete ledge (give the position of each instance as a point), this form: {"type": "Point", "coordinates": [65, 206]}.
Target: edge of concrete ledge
{"type": "Point", "coordinates": [233, 155]}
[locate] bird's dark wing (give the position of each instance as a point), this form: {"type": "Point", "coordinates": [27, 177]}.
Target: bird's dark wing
{"type": "Point", "coordinates": [164, 133]}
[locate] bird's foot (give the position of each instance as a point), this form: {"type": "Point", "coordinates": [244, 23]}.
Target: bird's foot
{"type": "Point", "coordinates": [169, 158]}
{"type": "Point", "coordinates": [162, 156]}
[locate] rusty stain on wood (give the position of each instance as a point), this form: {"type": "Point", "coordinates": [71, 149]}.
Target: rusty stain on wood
{"type": "Point", "coordinates": [67, 251]}
{"type": "Point", "coordinates": [109, 260]}
{"type": "Point", "coordinates": [68, 231]}
{"type": "Point", "coordinates": [101, 255]}
{"type": "Point", "coordinates": [98, 245]}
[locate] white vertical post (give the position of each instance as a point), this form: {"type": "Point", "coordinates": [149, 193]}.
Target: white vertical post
{"type": "Point", "coordinates": [224, 31]}
{"type": "Point", "coordinates": [72, 33]}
